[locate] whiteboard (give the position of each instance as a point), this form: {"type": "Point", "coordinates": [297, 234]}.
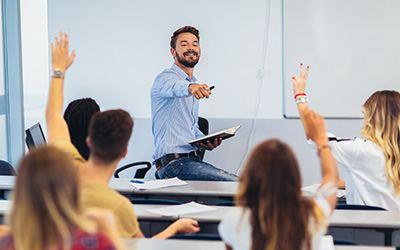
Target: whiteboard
{"type": "Point", "coordinates": [122, 45]}
{"type": "Point", "coordinates": [351, 46]}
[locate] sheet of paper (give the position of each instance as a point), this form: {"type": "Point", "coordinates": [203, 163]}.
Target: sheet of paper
{"type": "Point", "coordinates": [176, 210]}
{"type": "Point", "coordinates": [314, 188]}
{"type": "Point", "coordinates": [154, 184]}
{"type": "Point", "coordinates": [326, 243]}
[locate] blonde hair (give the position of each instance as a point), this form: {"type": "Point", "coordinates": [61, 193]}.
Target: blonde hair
{"type": "Point", "coordinates": [270, 186]}
{"type": "Point", "coordinates": [382, 127]}
{"type": "Point", "coordinates": [46, 203]}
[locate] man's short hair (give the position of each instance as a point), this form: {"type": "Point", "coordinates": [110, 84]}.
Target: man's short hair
{"type": "Point", "coordinates": [186, 29]}
{"type": "Point", "coordinates": [109, 134]}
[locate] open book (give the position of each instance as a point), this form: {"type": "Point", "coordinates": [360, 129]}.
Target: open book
{"type": "Point", "coordinates": [224, 134]}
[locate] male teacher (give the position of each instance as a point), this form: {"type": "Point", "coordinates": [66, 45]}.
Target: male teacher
{"type": "Point", "coordinates": [175, 99]}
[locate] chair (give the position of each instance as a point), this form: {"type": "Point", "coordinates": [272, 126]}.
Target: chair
{"type": "Point", "coordinates": [155, 202]}
{"type": "Point", "coordinates": [226, 204]}
{"type": "Point", "coordinates": [140, 172]}
{"type": "Point", "coordinates": [215, 237]}
{"type": "Point", "coordinates": [6, 168]}
{"type": "Point", "coordinates": [341, 242]}
{"type": "Point", "coordinates": [203, 126]}
{"type": "Point", "coordinates": [358, 207]}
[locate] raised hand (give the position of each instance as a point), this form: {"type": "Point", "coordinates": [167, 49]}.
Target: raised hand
{"type": "Point", "coordinates": [61, 59]}
{"type": "Point", "coordinates": [299, 82]}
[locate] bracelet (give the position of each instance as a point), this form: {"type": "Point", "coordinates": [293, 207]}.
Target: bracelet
{"type": "Point", "coordinates": [321, 147]}
{"type": "Point", "coordinates": [299, 94]}
{"type": "Point", "coordinates": [302, 99]}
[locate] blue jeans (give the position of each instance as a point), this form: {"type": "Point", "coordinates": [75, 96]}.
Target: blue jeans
{"type": "Point", "coordinates": [194, 169]}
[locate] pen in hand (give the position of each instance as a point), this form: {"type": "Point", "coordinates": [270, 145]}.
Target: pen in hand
{"type": "Point", "coordinates": [211, 88]}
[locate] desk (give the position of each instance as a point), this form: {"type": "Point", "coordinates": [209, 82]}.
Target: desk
{"type": "Point", "coordinates": [151, 224]}
{"type": "Point", "coordinates": [157, 244]}
{"type": "Point", "coordinates": [366, 227]}
{"type": "Point", "coordinates": [206, 192]}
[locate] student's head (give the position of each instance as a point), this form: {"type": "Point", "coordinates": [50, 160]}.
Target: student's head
{"type": "Point", "coordinates": [270, 186]}
{"type": "Point", "coordinates": [382, 113]}
{"type": "Point", "coordinates": [185, 46]}
{"type": "Point", "coordinates": [109, 134]}
{"type": "Point", "coordinates": [45, 205]}
{"type": "Point", "coordinates": [78, 115]}
{"type": "Point", "coordinates": [382, 127]}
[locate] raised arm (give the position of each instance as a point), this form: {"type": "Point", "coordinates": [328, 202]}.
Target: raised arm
{"type": "Point", "coordinates": [56, 126]}
{"type": "Point", "coordinates": [314, 124]}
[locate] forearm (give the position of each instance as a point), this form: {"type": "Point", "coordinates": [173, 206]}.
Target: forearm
{"type": "Point", "coordinates": [54, 119]}
{"type": "Point", "coordinates": [168, 232]}
{"type": "Point", "coordinates": [302, 108]}
{"type": "Point", "coordinates": [174, 88]}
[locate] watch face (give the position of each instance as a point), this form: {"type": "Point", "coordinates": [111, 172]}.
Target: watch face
{"type": "Point", "coordinates": [58, 73]}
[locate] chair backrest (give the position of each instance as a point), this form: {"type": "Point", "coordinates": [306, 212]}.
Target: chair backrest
{"type": "Point", "coordinates": [358, 207]}
{"type": "Point", "coordinates": [344, 242]}
{"type": "Point", "coordinates": [196, 237]}
{"type": "Point", "coordinates": [203, 126]}
{"type": "Point", "coordinates": [6, 168]}
{"type": "Point", "coordinates": [226, 204]}
{"type": "Point", "coordinates": [155, 202]}
{"type": "Point", "coordinates": [140, 172]}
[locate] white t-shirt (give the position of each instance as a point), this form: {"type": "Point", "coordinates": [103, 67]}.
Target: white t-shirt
{"type": "Point", "coordinates": [235, 229]}
{"type": "Point", "coordinates": [366, 179]}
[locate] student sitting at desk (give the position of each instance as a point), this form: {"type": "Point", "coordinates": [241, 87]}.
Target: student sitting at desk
{"type": "Point", "coordinates": [372, 164]}
{"type": "Point", "coordinates": [272, 212]}
{"type": "Point", "coordinates": [46, 214]}
{"type": "Point", "coordinates": [109, 134]}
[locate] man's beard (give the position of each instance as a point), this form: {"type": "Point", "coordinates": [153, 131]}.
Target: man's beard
{"type": "Point", "coordinates": [188, 63]}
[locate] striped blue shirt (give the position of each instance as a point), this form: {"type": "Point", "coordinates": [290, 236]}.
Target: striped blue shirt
{"type": "Point", "coordinates": [174, 113]}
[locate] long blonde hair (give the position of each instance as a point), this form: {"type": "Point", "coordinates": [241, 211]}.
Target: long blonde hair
{"type": "Point", "coordinates": [270, 186]}
{"type": "Point", "coordinates": [46, 203]}
{"type": "Point", "coordinates": [382, 127]}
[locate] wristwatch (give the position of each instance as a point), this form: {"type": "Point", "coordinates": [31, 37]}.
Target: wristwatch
{"type": "Point", "coordinates": [302, 99]}
{"type": "Point", "coordinates": [58, 74]}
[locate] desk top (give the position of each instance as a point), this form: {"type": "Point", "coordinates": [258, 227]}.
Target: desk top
{"type": "Point", "coordinates": [156, 244]}
{"type": "Point", "coordinates": [200, 188]}
{"type": "Point", "coordinates": [209, 216]}
{"type": "Point", "coordinates": [365, 219]}
{"type": "Point", "coordinates": [340, 218]}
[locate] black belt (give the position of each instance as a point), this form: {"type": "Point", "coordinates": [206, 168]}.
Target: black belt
{"type": "Point", "coordinates": [162, 161]}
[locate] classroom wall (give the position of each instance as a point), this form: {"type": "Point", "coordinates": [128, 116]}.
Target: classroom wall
{"type": "Point", "coordinates": [269, 120]}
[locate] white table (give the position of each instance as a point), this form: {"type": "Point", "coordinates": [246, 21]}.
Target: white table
{"type": "Point", "coordinates": [157, 244]}
{"type": "Point", "coordinates": [206, 192]}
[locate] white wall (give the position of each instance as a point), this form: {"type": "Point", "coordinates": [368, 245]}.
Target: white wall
{"type": "Point", "coordinates": [269, 123]}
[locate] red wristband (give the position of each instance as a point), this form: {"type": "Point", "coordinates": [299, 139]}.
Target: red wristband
{"type": "Point", "coordinates": [299, 94]}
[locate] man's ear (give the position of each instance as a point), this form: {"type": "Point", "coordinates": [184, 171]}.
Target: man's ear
{"type": "Point", "coordinates": [173, 52]}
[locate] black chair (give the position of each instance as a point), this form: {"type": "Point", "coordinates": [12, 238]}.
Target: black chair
{"type": "Point", "coordinates": [215, 237]}
{"type": "Point", "coordinates": [6, 168]}
{"type": "Point", "coordinates": [155, 202]}
{"type": "Point", "coordinates": [358, 207]}
{"type": "Point", "coordinates": [203, 126]}
{"type": "Point", "coordinates": [140, 172]}
{"type": "Point", "coordinates": [341, 242]}
{"type": "Point", "coordinates": [226, 204]}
